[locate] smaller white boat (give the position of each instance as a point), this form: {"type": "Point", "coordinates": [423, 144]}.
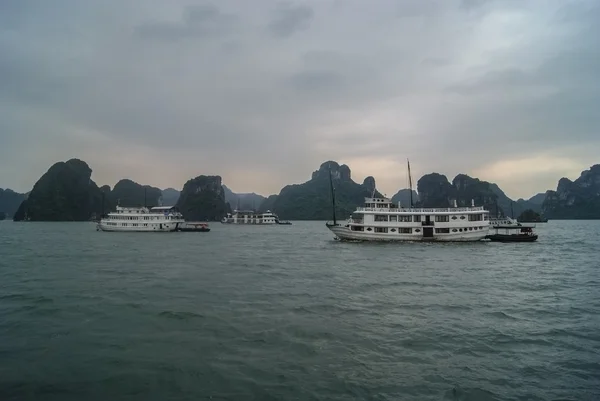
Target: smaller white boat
{"type": "Point", "coordinates": [250, 217]}
{"type": "Point", "coordinates": [142, 219]}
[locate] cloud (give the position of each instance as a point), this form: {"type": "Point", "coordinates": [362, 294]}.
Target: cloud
{"type": "Point", "coordinates": [289, 19]}
{"type": "Point", "coordinates": [203, 20]}
{"type": "Point", "coordinates": [263, 92]}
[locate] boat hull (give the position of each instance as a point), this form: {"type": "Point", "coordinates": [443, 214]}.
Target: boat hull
{"type": "Point", "coordinates": [345, 234]}
{"type": "Point", "coordinates": [512, 238]}
{"type": "Point", "coordinates": [249, 223]}
{"type": "Point", "coordinates": [152, 227]}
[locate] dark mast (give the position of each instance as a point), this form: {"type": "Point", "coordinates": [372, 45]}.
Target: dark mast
{"type": "Point", "coordinates": [332, 195]}
{"type": "Point", "coordinates": [410, 184]}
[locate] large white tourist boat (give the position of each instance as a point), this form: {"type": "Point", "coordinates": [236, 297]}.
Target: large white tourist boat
{"type": "Point", "coordinates": [381, 220]}
{"type": "Point", "coordinates": [133, 219]}
{"type": "Point", "coordinates": [250, 217]}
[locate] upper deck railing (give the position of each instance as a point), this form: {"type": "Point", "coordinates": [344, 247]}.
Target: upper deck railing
{"type": "Point", "coordinates": [422, 209]}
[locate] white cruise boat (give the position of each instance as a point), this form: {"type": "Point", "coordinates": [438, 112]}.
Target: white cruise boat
{"type": "Point", "coordinates": [142, 219]}
{"type": "Point", "coordinates": [381, 220]}
{"type": "Point", "coordinates": [250, 217]}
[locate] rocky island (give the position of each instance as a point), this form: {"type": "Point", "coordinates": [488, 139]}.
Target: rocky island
{"type": "Point", "coordinates": [66, 192]}
{"type": "Point", "coordinates": [579, 199]}
{"type": "Point", "coordinates": [312, 200]}
{"type": "Point", "coordinates": [203, 199]}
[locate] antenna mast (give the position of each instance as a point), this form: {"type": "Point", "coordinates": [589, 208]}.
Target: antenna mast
{"type": "Point", "coordinates": [410, 184]}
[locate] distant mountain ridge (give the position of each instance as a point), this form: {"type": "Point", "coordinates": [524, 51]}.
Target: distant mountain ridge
{"type": "Point", "coordinates": [170, 197]}
{"type": "Point", "coordinates": [243, 201]}
{"type": "Point", "coordinates": [436, 191]}
{"type": "Point", "coordinates": [579, 199]}
{"type": "Point", "coordinates": [66, 192]}
{"type": "Point", "coordinates": [312, 199]}
{"type": "Point", "coordinates": [10, 202]}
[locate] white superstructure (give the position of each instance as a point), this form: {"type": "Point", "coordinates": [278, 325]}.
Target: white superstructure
{"type": "Point", "coordinates": [250, 217]}
{"type": "Point", "coordinates": [156, 219]}
{"type": "Point", "coordinates": [381, 220]}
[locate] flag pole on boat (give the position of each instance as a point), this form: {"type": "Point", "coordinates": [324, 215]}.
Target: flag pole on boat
{"type": "Point", "coordinates": [410, 184]}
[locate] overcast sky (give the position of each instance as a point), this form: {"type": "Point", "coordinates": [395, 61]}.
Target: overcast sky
{"type": "Point", "coordinates": [261, 92]}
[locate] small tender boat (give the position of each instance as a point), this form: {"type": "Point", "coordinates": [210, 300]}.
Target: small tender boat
{"type": "Point", "coordinates": [194, 226]}
{"type": "Point", "coordinates": [512, 233]}
{"type": "Point", "coordinates": [284, 222]}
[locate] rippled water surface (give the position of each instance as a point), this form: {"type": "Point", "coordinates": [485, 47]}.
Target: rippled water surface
{"type": "Point", "coordinates": [286, 313]}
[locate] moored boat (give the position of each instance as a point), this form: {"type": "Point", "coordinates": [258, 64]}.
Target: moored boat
{"type": "Point", "coordinates": [193, 226]}
{"type": "Point", "coordinates": [142, 219]}
{"type": "Point", "coordinates": [381, 220]}
{"type": "Point", "coordinates": [512, 233]}
{"type": "Point", "coordinates": [250, 217]}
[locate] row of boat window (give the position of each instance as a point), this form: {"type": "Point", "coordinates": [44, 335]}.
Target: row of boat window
{"type": "Point", "coordinates": [417, 218]}
{"type": "Point", "coordinates": [403, 230]}
{"type": "Point", "coordinates": [142, 218]}
{"type": "Point", "coordinates": [125, 224]}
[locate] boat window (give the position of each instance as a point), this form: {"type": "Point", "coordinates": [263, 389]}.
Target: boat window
{"type": "Point", "coordinates": [381, 229]}
{"type": "Point", "coordinates": [405, 230]}
{"type": "Point", "coordinates": [405, 219]}
{"type": "Point", "coordinates": [417, 218]}
{"type": "Point", "coordinates": [442, 230]}
{"type": "Point", "coordinates": [381, 217]}
{"type": "Point", "coordinates": [393, 218]}
{"type": "Point", "coordinates": [454, 217]}
{"type": "Point", "coordinates": [475, 217]}
{"type": "Point", "coordinates": [442, 219]}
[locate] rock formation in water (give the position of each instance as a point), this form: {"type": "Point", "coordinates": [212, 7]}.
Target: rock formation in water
{"type": "Point", "coordinates": [579, 199]}
{"type": "Point", "coordinates": [10, 201]}
{"type": "Point", "coordinates": [64, 193]}
{"type": "Point", "coordinates": [128, 193]}
{"type": "Point", "coordinates": [312, 199]}
{"type": "Point", "coordinates": [530, 216]}
{"type": "Point", "coordinates": [203, 199]}
{"type": "Point", "coordinates": [403, 197]}
{"type": "Point", "coordinates": [436, 191]}
{"type": "Point", "coordinates": [170, 197]}
{"type": "Point", "coordinates": [243, 201]}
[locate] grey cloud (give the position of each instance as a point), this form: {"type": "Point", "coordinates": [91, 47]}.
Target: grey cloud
{"type": "Point", "coordinates": [317, 80]}
{"type": "Point", "coordinates": [290, 19]}
{"type": "Point", "coordinates": [264, 113]}
{"type": "Point", "coordinates": [197, 21]}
